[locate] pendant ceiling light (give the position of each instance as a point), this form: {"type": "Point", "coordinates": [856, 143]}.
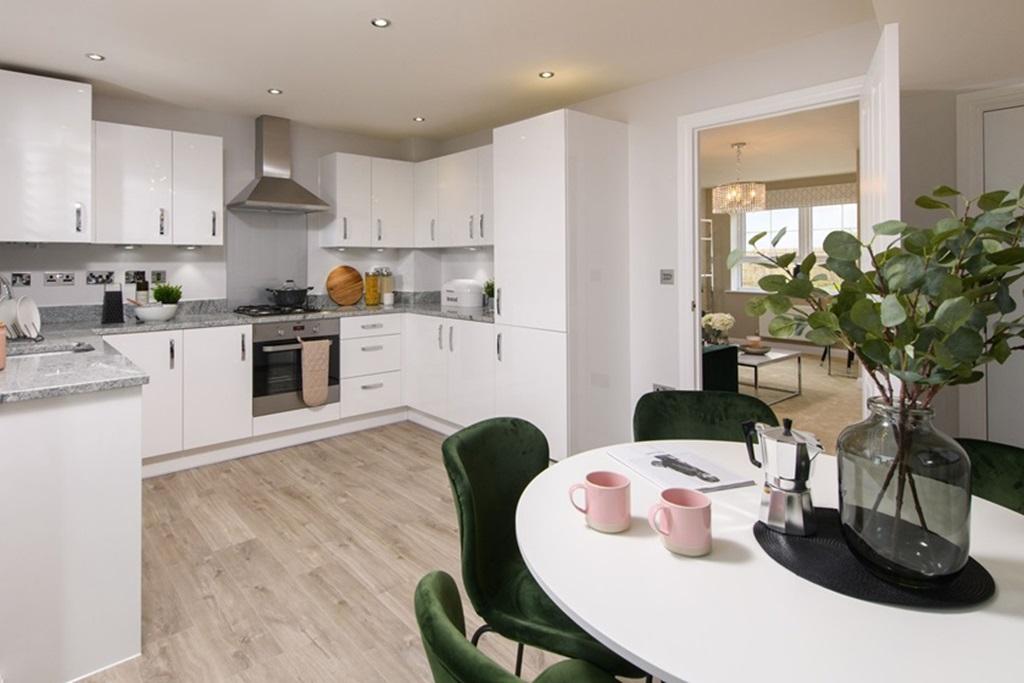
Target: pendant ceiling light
{"type": "Point", "coordinates": [738, 197]}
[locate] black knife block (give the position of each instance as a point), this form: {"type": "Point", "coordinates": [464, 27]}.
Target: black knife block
{"type": "Point", "coordinates": [113, 307]}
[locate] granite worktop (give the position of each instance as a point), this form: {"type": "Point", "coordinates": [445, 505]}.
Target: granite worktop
{"type": "Point", "coordinates": [56, 365]}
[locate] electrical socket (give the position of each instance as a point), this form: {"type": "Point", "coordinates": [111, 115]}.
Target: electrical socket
{"type": "Point", "coordinates": [21, 280]}
{"type": "Point", "coordinates": [157, 277]}
{"type": "Point", "coordinates": [133, 276]}
{"type": "Point", "coordinates": [58, 279]}
{"type": "Point", "coordinates": [99, 277]}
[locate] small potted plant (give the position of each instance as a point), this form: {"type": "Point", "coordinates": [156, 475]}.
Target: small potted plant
{"type": "Point", "coordinates": [166, 297]}
{"type": "Point", "coordinates": [922, 308]}
{"type": "Point", "coordinates": [489, 293]}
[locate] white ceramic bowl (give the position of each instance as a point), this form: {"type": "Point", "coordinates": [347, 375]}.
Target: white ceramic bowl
{"type": "Point", "coordinates": [156, 313]}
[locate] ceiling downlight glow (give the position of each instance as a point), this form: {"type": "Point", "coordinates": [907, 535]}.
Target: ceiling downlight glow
{"type": "Point", "coordinates": [380, 22]}
{"type": "Point", "coordinates": [546, 74]}
{"type": "Point", "coordinates": [95, 56]}
{"type": "Point", "coordinates": [418, 119]}
{"type": "Point", "coordinates": [275, 91]}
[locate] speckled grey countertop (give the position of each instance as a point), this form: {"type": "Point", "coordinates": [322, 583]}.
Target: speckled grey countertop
{"type": "Point", "coordinates": [47, 369]}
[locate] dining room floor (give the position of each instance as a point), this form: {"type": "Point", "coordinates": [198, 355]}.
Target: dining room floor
{"type": "Point", "coordinates": [300, 564]}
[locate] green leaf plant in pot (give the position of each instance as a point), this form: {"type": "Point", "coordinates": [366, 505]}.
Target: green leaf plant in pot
{"type": "Point", "coordinates": [922, 308]}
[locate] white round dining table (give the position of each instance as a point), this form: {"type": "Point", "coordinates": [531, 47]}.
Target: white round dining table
{"type": "Point", "coordinates": [737, 615]}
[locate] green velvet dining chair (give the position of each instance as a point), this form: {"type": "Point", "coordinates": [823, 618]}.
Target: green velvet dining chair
{"type": "Point", "coordinates": [997, 472]}
{"type": "Point", "coordinates": [453, 659]}
{"type": "Point", "coordinates": [489, 465]}
{"type": "Point", "coordinates": [709, 415]}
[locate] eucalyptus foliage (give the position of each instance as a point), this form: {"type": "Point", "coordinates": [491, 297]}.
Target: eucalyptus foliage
{"type": "Point", "coordinates": [927, 305]}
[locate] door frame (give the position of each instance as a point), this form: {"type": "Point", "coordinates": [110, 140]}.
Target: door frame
{"type": "Point", "coordinates": [689, 128]}
{"type": "Point", "coordinates": [970, 179]}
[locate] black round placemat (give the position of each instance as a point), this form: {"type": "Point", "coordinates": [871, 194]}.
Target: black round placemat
{"type": "Point", "coordinates": [826, 560]}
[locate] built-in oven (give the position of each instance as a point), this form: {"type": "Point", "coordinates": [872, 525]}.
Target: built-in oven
{"type": "Point", "coordinates": [277, 364]}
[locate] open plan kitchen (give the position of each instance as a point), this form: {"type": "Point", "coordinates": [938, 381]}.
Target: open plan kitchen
{"type": "Point", "coordinates": [493, 341]}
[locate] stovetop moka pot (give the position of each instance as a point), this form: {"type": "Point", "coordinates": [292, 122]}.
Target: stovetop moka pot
{"type": "Point", "coordinates": [787, 457]}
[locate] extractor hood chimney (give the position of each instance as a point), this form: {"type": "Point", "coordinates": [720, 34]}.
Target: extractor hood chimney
{"type": "Point", "coordinates": [273, 189]}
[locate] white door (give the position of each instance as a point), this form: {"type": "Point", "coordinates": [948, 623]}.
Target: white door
{"type": "Point", "coordinates": [345, 185]}
{"type": "Point", "coordinates": [530, 222]}
{"type": "Point", "coordinates": [46, 153]}
{"type": "Point", "coordinates": [132, 183]}
{"type": "Point", "coordinates": [880, 143]}
{"type": "Point", "coordinates": [393, 188]}
{"type": "Point", "coordinates": [471, 372]}
{"type": "Point", "coordinates": [531, 382]}
{"type": "Point", "coordinates": [485, 194]}
{"type": "Point", "coordinates": [456, 197]}
{"type": "Point", "coordinates": [426, 226]}
{"type": "Point", "coordinates": [217, 385]}
{"type": "Point", "coordinates": [198, 187]}
{"type": "Point", "coordinates": [1004, 170]}
{"type": "Point", "coordinates": [425, 364]}
{"type": "Point", "coordinates": [160, 355]}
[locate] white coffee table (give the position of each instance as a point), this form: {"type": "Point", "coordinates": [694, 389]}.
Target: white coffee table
{"type": "Point", "coordinates": [755, 361]}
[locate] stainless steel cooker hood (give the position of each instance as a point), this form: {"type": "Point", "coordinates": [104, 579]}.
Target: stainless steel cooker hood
{"type": "Point", "coordinates": [273, 190]}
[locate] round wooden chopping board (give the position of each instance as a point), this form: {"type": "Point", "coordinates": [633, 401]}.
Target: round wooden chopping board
{"type": "Point", "coordinates": [345, 286]}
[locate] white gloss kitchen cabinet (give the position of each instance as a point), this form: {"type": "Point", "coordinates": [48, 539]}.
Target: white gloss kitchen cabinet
{"type": "Point", "coordinates": [425, 226]}
{"type": "Point", "coordinates": [161, 356]}
{"type": "Point", "coordinates": [561, 277]}
{"type": "Point", "coordinates": [45, 159]}
{"type": "Point", "coordinates": [217, 380]}
{"type": "Point", "coordinates": [155, 186]}
{"type": "Point", "coordinates": [371, 364]}
{"type": "Point", "coordinates": [371, 201]}
{"type": "Point", "coordinates": [449, 368]}
{"type": "Point", "coordinates": [465, 192]}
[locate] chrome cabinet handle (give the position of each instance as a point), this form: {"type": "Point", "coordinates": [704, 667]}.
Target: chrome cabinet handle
{"type": "Point", "coordinates": [379, 233]}
{"type": "Point", "coordinates": [470, 226]}
{"type": "Point", "coordinates": [372, 326]}
{"type": "Point", "coordinates": [440, 344]}
{"type": "Point", "coordinates": [213, 222]}
{"type": "Point", "coordinates": [481, 226]}
{"type": "Point", "coordinates": [344, 227]}
{"type": "Point", "coordinates": [78, 218]}
{"type": "Point", "coordinates": [499, 346]}
{"type": "Point", "coordinates": [171, 351]}
{"type": "Point", "coordinates": [377, 347]}
{"type": "Point", "coordinates": [375, 385]}
{"type": "Point", "coordinates": [451, 332]}
{"type": "Point", "coordinates": [163, 221]}
{"type": "Point", "coordinates": [497, 302]}
{"type": "Point", "coordinates": [243, 346]}
{"type": "Point", "coordinates": [432, 221]}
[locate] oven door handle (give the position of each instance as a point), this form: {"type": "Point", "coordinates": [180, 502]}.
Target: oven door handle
{"type": "Point", "coordinates": [280, 347]}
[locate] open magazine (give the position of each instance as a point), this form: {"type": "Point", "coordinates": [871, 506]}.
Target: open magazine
{"type": "Point", "coordinates": [677, 467]}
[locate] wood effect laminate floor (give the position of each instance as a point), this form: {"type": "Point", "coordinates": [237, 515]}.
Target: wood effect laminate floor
{"type": "Point", "coordinates": [299, 564]}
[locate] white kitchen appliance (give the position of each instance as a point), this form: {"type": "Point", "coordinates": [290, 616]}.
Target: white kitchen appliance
{"type": "Point", "coordinates": [462, 293]}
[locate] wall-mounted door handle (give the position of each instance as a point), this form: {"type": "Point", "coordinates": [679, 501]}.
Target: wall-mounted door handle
{"type": "Point", "coordinates": [243, 346]}
{"type": "Point", "coordinates": [440, 344]}
{"type": "Point", "coordinates": [213, 222]}
{"type": "Point", "coordinates": [379, 230]}
{"type": "Point", "coordinates": [432, 222]}
{"type": "Point", "coordinates": [344, 227]}
{"type": "Point", "coordinates": [451, 333]}
{"type": "Point", "coordinates": [499, 346]}
{"type": "Point", "coordinates": [470, 226]}
{"type": "Point", "coordinates": [171, 353]}
{"type": "Point", "coordinates": [163, 221]}
{"type": "Point", "coordinates": [78, 218]}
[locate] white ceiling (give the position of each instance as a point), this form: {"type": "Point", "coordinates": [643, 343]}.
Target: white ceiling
{"type": "Point", "coordinates": [463, 64]}
{"type": "Point", "coordinates": [806, 144]}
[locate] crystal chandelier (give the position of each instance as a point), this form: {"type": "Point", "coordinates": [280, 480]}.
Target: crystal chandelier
{"type": "Point", "coordinates": [738, 197]}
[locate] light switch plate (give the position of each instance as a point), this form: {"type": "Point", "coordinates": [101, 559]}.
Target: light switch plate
{"type": "Point", "coordinates": [157, 277]}
{"type": "Point", "coordinates": [53, 279]}
{"type": "Point", "coordinates": [668, 276]}
{"type": "Point", "coordinates": [21, 280]}
{"type": "Point", "coordinates": [133, 276]}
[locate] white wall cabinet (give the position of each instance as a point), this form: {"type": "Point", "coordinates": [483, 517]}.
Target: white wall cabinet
{"type": "Point", "coordinates": [485, 195]}
{"type": "Point", "coordinates": [45, 159]}
{"type": "Point", "coordinates": [465, 197]}
{"type": "Point", "coordinates": [345, 185]}
{"type": "Point", "coordinates": [198, 189]}
{"type": "Point", "coordinates": [217, 385]}
{"type": "Point", "coordinates": [392, 211]}
{"type": "Point", "coordinates": [531, 381]}
{"type": "Point", "coordinates": [427, 232]}
{"type": "Point", "coordinates": [161, 356]}
{"type": "Point", "coordinates": [471, 367]}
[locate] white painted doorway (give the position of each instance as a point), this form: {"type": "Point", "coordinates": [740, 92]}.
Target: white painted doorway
{"type": "Point", "coordinates": [878, 93]}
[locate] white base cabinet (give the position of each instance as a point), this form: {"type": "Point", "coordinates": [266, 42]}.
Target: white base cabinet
{"type": "Point", "coordinates": [160, 355]}
{"type": "Point", "coordinates": [531, 381]}
{"type": "Point", "coordinates": [217, 385]}
{"type": "Point", "coordinates": [425, 359]}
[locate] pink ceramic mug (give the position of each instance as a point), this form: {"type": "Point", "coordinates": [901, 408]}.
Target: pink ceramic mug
{"type": "Point", "coordinates": [605, 501]}
{"type": "Point", "coordinates": [683, 518]}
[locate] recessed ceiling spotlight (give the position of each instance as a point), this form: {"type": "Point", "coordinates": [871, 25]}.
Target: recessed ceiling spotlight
{"type": "Point", "coordinates": [547, 74]}
{"type": "Point", "coordinates": [380, 22]}
{"type": "Point", "coordinates": [418, 119]}
{"type": "Point", "coordinates": [95, 56]}
{"type": "Point", "coordinates": [275, 91]}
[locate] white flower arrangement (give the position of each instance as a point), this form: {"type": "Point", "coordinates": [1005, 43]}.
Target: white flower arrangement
{"type": "Point", "coordinates": [719, 322]}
